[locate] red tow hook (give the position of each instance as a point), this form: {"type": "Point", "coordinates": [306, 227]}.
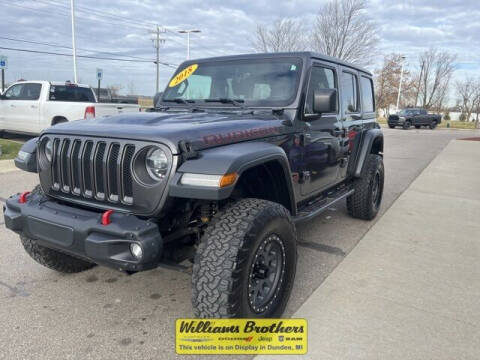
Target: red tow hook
{"type": "Point", "coordinates": [106, 217]}
{"type": "Point", "coordinates": [23, 197]}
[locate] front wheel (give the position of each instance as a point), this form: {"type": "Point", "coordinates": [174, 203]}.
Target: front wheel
{"type": "Point", "coordinates": [365, 202]}
{"type": "Point", "coordinates": [417, 126]}
{"type": "Point", "coordinates": [406, 125]}
{"type": "Point", "coordinates": [245, 263]}
{"type": "Point", "coordinates": [391, 126]}
{"type": "Point", "coordinates": [433, 125]}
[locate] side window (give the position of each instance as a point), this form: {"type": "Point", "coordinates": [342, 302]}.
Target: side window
{"type": "Point", "coordinates": [367, 95]}
{"type": "Point", "coordinates": [423, 112]}
{"type": "Point", "coordinates": [15, 92]}
{"type": "Point", "coordinates": [31, 91]}
{"type": "Point", "coordinates": [320, 78]}
{"type": "Point", "coordinates": [349, 93]}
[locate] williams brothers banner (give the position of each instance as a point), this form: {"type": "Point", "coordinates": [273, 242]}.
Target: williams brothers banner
{"type": "Point", "coordinates": [241, 336]}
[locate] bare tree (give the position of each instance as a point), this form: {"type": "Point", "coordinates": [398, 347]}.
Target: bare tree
{"type": "Point", "coordinates": [469, 93]}
{"type": "Point", "coordinates": [344, 30]}
{"type": "Point", "coordinates": [283, 35]}
{"type": "Point", "coordinates": [115, 89]}
{"type": "Point", "coordinates": [435, 72]}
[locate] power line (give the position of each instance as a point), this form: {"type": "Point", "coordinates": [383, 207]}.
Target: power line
{"type": "Point", "coordinates": [84, 56]}
{"type": "Point", "coordinates": [69, 47]}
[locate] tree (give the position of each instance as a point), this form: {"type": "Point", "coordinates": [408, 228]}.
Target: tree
{"type": "Point", "coordinates": [344, 30]}
{"type": "Point", "coordinates": [387, 79]}
{"type": "Point", "coordinates": [284, 35]}
{"type": "Point", "coordinates": [115, 89]}
{"type": "Point", "coordinates": [435, 70]}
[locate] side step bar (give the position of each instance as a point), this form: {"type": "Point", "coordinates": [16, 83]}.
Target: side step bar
{"type": "Point", "coordinates": [316, 208]}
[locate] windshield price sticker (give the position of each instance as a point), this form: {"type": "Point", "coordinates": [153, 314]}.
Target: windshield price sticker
{"type": "Point", "coordinates": [182, 75]}
{"type": "Point", "coordinates": [241, 336]}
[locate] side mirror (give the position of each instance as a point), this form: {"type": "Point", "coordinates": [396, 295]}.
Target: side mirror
{"type": "Point", "coordinates": [325, 101]}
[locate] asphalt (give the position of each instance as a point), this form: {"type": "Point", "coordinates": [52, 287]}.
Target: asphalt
{"type": "Point", "coordinates": [410, 288]}
{"type": "Point", "coordinates": [104, 314]}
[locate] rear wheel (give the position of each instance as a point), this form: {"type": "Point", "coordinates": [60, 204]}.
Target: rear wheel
{"type": "Point", "coordinates": [245, 263]}
{"type": "Point", "coordinates": [406, 125]}
{"type": "Point", "coordinates": [365, 202]}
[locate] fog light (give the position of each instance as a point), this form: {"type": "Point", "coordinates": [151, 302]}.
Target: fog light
{"type": "Point", "coordinates": [136, 251]}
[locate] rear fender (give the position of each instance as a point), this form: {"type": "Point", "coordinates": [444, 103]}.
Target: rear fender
{"type": "Point", "coordinates": [372, 142]}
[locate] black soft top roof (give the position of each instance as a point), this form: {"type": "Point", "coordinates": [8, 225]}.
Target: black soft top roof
{"type": "Point", "coordinates": [302, 54]}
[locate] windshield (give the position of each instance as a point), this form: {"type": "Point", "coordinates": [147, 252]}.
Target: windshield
{"type": "Point", "coordinates": [253, 82]}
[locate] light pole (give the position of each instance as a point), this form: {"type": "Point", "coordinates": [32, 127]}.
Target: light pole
{"type": "Point", "coordinates": [188, 39]}
{"type": "Point", "coordinates": [400, 83]}
{"type": "Point", "coordinates": [72, 5]}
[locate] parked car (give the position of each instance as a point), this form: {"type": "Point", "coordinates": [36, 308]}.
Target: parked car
{"type": "Point", "coordinates": [240, 150]}
{"type": "Point", "coordinates": [407, 118]}
{"type": "Point", "coordinates": [31, 106]}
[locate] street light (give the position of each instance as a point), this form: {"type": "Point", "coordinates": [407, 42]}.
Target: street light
{"type": "Point", "coordinates": [400, 83]}
{"type": "Point", "coordinates": [188, 39]}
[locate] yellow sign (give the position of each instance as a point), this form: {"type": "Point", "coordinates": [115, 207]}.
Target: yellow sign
{"type": "Point", "coordinates": [182, 75]}
{"type": "Point", "coordinates": [241, 336]}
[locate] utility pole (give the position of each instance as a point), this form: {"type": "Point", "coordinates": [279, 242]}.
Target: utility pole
{"type": "Point", "coordinates": [156, 43]}
{"type": "Point", "coordinates": [188, 32]}
{"type": "Point", "coordinates": [72, 5]}
{"type": "Point", "coordinates": [400, 83]}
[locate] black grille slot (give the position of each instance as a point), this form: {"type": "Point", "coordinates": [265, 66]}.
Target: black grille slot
{"type": "Point", "coordinates": [112, 166]}
{"type": "Point", "coordinates": [127, 174]}
{"type": "Point", "coordinates": [56, 164]}
{"type": "Point", "coordinates": [76, 167]}
{"type": "Point", "coordinates": [87, 169]}
{"type": "Point", "coordinates": [99, 175]}
{"type": "Point", "coordinates": [65, 165]}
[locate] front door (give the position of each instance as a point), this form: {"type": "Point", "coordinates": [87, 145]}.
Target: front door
{"type": "Point", "coordinates": [21, 107]}
{"type": "Point", "coordinates": [320, 143]}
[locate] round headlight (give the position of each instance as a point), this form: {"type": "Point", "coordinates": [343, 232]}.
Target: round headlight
{"type": "Point", "coordinates": [156, 163]}
{"type": "Point", "coordinates": [49, 149]}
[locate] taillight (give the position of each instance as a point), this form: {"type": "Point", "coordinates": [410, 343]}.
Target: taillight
{"type": "Point", "coordinates": [89, 112]}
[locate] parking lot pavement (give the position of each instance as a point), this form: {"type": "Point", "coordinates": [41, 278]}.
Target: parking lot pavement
{"type": "Point", "coordinates": [104, 314]}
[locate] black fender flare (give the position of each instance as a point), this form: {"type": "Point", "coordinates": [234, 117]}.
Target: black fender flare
{"type": "Point", "coordinates": [26, 159]}
{"type": "Point", "coordinates": [235, 158]}
{"type": "Point", "coordinates": [369, 138]}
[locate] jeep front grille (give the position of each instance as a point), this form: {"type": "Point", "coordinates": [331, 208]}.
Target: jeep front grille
{"type": "Point", "coordinates": [93, 169]}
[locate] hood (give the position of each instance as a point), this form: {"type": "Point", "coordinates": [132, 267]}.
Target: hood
{"type": "Point", "coordinates": [201, 129]}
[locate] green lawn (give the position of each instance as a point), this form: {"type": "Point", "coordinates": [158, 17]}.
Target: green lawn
{"type": "Point", "coordinates": [9, 149]}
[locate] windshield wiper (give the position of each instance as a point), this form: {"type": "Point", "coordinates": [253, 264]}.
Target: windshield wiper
{"type": "Point", "coordinates": [236, 102]}
{"type": "Point", "coordinates": [183, 101]}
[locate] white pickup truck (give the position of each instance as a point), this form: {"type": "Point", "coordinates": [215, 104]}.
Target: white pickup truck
{"type": "Point", "coordinates": [31, 106]}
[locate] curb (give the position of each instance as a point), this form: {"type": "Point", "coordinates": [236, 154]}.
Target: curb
{"type": "Point", "coordinates": [7, 166]}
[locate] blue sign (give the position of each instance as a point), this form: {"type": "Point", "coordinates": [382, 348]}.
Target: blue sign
{"type": "Point", "coordinates": [99, 74]}
{"type": "Point", "coordinates": [3, 62]}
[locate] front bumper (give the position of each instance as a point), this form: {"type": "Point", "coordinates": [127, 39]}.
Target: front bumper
{"type": "Point", "coordinates": [80, 233]}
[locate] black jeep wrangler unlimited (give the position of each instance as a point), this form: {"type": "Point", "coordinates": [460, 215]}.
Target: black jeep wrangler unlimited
{"type": "Point", "coordinates": [238, 150]}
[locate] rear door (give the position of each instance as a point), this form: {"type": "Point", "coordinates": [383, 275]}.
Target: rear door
{"type": "Point", "coordinates": [352, 116]}
{"type": "Point", "coordinates": [319, 146]}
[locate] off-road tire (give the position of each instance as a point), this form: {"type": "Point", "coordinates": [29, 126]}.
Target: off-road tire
{"type": "Point", "coordinates": [50, 258]}
{"type": "Point", "coordinates": [391, 126]}
{"type": "Point", "coordinates": [406, 125]}
{"type": "Point", "coordinates": [417, 126]}
{"type": "Point", "coordinates": [361, 204]}
{"type": "Point", "coordinates": [433, 125]}
{"type": "Point", "coordinates": [226, 256]}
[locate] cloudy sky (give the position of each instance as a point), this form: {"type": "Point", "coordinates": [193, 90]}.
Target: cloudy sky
{"type": "Point", "coordinates": [121, 29]}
